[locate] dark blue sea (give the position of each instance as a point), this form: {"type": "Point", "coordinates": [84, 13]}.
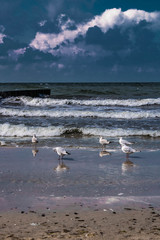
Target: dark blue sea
{"type": "Point", "coordinates": [76, 114]}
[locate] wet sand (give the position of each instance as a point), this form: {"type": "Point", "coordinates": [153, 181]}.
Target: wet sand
{"type": "Point", "coordinates": [37, 201]}
{"type": "Point", "coordinates": [81, 223]}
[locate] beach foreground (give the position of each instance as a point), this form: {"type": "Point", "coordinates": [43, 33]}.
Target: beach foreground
{"type": "Point", "coordinates": [87, 196]}
{"type": "Point", "coordinates": [81, 223]}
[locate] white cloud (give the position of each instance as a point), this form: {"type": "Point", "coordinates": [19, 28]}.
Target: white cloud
{"type": "Point", "coordinates": [108, 20]}
{"type": "Point", "coordinates": [64, 22]}
{"type": "Point", "coordinates": [42, 23]}
{"type": "Point", "coordinates": [1, 37]}
{"type": "Point", "coordinates": [59, 66]}
{"type": "Point", "coordinates": [14, 54]}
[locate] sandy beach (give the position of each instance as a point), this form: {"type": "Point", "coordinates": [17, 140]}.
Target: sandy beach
{"type": "Point", "coordinates": [81, 223]}
{"type": "Point", "coordinates": [86, 197]}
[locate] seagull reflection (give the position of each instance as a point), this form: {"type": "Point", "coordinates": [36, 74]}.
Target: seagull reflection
{"type": "Point", "coordinates": [34, 152]}
{"type": "Point", "coordinates": [104, 153]}
{"type": "Point", "coordinates": [61, 167]}
{"type": "Point", "coordinates": [127, 166]}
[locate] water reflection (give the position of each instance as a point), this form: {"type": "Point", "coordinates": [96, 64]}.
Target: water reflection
{"type": "Point", "coordinates": [127, 166]}
{"type": "Point", "coordinates": [104, 153]}
{"type": "Point", "coordinates": [61, 167]}
{"type": "Point", "coordinates": [35, 151]}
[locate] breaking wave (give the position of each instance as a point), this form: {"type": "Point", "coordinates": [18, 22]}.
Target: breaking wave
{"type": "Point", "coordinates": [21, 130]}
{"type": "Point", "coordinates": [79, 114]}
{"type": "Point", "coordinates": [43, 102]}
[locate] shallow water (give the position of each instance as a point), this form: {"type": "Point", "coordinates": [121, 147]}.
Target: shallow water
{"type": "Point", "coordinates": [26, 180]}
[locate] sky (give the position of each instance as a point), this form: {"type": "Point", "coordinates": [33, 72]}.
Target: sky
{"type": "Point", "coordinates": [79, 41]}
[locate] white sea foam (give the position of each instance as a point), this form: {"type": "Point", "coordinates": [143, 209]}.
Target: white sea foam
{"type": "Point", "coordinates": [117, 132]}
{"type": "Point", "coordinates": [79, 114]}
{"type": "Point", "coordinates": [21, 130]}
{"type": "Point", "coordinates": [42, 102]}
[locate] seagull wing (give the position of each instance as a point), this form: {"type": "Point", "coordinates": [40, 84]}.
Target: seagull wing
{"type": "Point", "coordinates": [125, 142]}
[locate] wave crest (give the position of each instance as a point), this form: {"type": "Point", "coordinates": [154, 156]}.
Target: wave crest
{"type": "Point", "coordinates": [21, 130]}
{"type": "Point", "coordinates": [79, 114]}
{"type": "Point", "coordinates": [43, 102]}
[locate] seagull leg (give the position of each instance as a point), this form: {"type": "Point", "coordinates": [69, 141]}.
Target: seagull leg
{"type": "Point", "coordinates": [127, 156]}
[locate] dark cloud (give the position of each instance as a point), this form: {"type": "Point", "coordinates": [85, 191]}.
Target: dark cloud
{"type": "Point", "coordinates": [68, 40]}
{"type": "Point", "coordinates": [113, 40]}
{"type": "Point", "coordinates": [35, 56]}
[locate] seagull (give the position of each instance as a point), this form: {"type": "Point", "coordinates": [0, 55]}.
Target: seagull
{"type": "Point", "coordinates": [61, 152]}
{"type": "Point", "coordinates": [34, 139]}
{"type": "Point", "coordinates": [123, 141]}
{"type": "Point", "coordinates": [128, 150]}
{"type": "Point", "coordinates": [103, 141]}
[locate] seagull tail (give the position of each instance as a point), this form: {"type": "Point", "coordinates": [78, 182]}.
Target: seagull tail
{"type": "Point", "coordinates": [68, 153]}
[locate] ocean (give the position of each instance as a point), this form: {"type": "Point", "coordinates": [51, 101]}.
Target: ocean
{"type": "Point", "coordinates": [76, 114]}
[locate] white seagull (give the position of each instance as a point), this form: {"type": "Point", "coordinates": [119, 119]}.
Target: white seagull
{"type": "Point", "coordinates": [61, 152]}
{"type": "Point", "coordinates": [103, 141]}
{"type": "Point", "coordinates": [124, 142]}
{"type": "Point", "coordinates": [34, 139]}
{"type": "Point", "coordinates": [128, 150]}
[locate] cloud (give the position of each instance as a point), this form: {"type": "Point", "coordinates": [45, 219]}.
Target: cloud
{"type": "Point", "coordinates": [65, 23]}
{"type": "Point", "coordinates": [107, 20]}
{"type": "Point", "coordinates": [42, 23]}
{"type": "Point", "coordinates": [68, 51]}
{"type": "Point", "coordinates": [57, 65]}
{"type": "Point", "coordinates": [1, 37]}
{"type": "Point", "coordinates": [14, 54]}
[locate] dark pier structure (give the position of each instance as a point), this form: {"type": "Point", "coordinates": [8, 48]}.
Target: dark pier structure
{"type": "Point", "coordinates": [30, 93]}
